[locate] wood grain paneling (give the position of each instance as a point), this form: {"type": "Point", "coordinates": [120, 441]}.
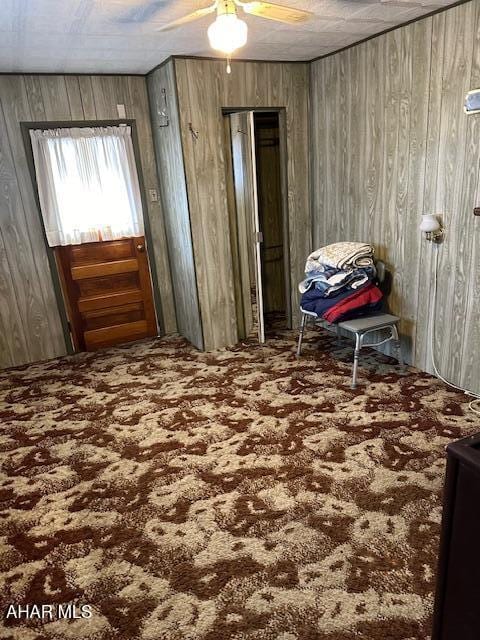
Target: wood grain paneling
{"type": "Point", "coordinates": [30, 326]}
{"type": "Point", "coordinates": [136, 89]}
{"type": "Point", "coordinates": [204, 89]}
{"type": "Point", "coordinates": [37, 319]}
{"type": "Point", "coordinates": [390, 141]}
{"type": "Point", "coordinates": [471, 335]}
{"type": "Point", "coordinates": [171, 174]}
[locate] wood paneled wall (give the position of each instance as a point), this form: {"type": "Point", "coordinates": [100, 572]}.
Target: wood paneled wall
{"type": "Point", "coordinates": [171, 174]}
{"type": "Point", "coordinates": [30, 327]}
{"type": "Point", "coordinates": [204, 88]}
{"type": "Point", "coordinates": [390, 141]}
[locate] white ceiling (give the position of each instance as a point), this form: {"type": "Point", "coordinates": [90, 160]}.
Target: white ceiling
{"type": "Point", "coordinates": [121, 36]}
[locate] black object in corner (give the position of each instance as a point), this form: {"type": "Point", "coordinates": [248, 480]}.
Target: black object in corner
{"type": "Point", "coordinates": [457, 601]}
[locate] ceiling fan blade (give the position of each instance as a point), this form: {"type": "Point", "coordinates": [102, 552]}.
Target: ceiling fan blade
{"type": "Point", "coordinates": [273, 11]}
{"type": "Point", "coordinates": [195, 15]}
{"type": "Point", "coordinates": [144, 12]}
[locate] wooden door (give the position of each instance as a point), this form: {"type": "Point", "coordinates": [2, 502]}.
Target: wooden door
{"type": "Point", "coordinates": [108, 292]}
{"type": "Point", "coordinates": [258, 235]}
{"type": "Point", "coordinates": [249, 235]}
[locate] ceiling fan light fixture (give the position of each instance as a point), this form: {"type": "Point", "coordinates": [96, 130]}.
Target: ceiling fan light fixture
{"type": "Point", "coordinates": [228, 33]}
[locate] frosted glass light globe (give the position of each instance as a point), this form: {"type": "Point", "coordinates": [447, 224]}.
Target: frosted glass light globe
{"type": "Point", "coordinates": [228, 33]}
{"type": "Point", "coordinates": [429, 223]}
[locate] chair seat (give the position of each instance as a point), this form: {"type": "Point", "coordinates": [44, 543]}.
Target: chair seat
{"type": "Point", "coordinates": [369, 323]}
{"type": "Point", "coordinates": [360, 327]}
{"type": "Point", "coordinates": [309, 313]}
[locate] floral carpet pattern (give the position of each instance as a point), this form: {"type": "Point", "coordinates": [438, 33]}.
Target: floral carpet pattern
{"type": "Point", "coordinates": [235, 495]}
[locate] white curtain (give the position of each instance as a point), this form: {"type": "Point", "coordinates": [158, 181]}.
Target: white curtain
{"type": "Point", "coordinates": [87, 184]}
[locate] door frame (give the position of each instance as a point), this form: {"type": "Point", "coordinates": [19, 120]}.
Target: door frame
{"type": "Point", "coordinates": [282, 132]}
{"type": "Point", "coordinates": [26, 127]}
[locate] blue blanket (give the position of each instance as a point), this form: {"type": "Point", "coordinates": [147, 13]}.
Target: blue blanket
{"type": "Point", "coordinates": [312, 300]}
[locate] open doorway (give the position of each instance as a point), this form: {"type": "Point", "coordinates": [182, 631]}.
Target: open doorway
{"type": "Point", "coordinates": [270, 215]}
{"type": "Point", "coordinates": [258, 221]}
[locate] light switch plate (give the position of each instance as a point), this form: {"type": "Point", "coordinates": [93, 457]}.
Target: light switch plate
{"type": "Point", "coordinates": [121, 111]}
{"type": "Point", "coordinates": [153, 195]}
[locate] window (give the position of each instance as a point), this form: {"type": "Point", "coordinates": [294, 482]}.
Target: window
{"type": "Point", "coordinates": [87, 184]}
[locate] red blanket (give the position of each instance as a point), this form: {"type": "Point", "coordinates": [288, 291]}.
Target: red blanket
{"type": "Point", "coordinates": [366, 295]}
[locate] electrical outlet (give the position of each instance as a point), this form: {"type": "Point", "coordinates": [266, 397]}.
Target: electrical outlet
{"type": "Point", "coordinates": [476, 211]}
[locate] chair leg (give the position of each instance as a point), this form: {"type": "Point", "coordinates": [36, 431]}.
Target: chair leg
{"type": "Point", "coordinates": [300, 335]}
{"type": "Point", "coordinates": [398, 348]}
{"type": "Point", "coordinates": [355, 360]}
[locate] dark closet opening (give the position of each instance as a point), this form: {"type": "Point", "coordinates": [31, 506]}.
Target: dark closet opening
{"type": "Point", "coordinates": [270, 213]}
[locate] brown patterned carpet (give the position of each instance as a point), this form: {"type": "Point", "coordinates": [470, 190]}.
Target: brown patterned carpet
{"type": "Point", "coordinates": [235, 495]}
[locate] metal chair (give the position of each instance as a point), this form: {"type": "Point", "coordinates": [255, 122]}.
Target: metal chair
{"type": "Point", "coordinates": [361, 327]}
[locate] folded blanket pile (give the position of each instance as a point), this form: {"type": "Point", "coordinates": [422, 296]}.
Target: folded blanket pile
{"type": "Point", "coordinates": [339, 282]}
{"type": "Point", "coordinates": [341, 255]}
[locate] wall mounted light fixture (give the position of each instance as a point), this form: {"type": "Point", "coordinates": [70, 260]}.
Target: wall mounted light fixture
{"type": "Point", "coordinates": [472, 102]}
{"type": "Point", "coordinates": [432, 228]}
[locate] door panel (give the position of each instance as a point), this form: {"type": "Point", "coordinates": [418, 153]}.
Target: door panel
{"type": "Point", "coordinates": [242, 176]}
{"type": "Point", "coordinates": [107, 291]}
{"type": "Point", "coordinates": [112, 317]}
{"type": "Point", "coordinates": [97, 270]}
{"type": "Point", "coordinates": [110, 300]}
{"type": "Point", "coordinates": [258, 237]}
{"type": "Point", "coordinates": [117, 334]}
{"type": "Point", "coordinates": [92, 287]}
{"type": "Point", "coordinates": [100, 251]}
{"type": "Point", "coordinates": [249, 238]}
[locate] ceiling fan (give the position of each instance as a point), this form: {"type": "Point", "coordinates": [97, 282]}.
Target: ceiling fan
{"type": "Point", "coordinates": [228, 32]}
